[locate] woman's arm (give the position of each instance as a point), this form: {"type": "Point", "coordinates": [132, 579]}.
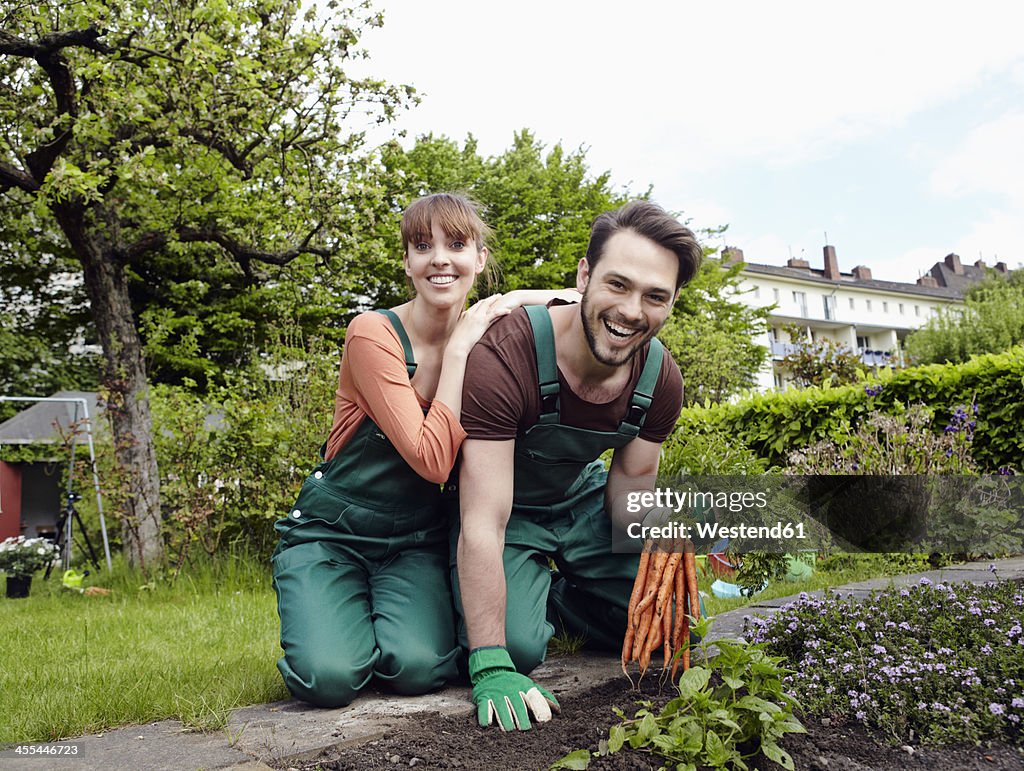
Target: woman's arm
{"type": "Point", "coordinates": [428, 443]}
{"type": "Point", "coordinates": [376, 369]}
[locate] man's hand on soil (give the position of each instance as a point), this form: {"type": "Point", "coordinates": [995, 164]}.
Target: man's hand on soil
{"type": "Point", "coordinates": [503, 695]}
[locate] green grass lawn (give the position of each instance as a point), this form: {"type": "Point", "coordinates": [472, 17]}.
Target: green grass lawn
{"type": "Point", "coordinates": [195, 649]}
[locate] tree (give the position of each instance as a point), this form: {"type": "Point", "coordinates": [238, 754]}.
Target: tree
{"type": "Point", "coordinates": [540, 203]}
{"type": "Point", "coordinates": [991, 321]}
{"type": "Point", "coordinates": [39, 317]}
{"type": "Point", "coordinates": [712, 335]}
{"type": "Point", "coordinates": [145, 131]}
{"type": "Point", "coordinates": [820, 362]}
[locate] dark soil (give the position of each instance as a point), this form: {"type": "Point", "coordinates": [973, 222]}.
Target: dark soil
{"type": "Point", "coordinates": [434, 741]}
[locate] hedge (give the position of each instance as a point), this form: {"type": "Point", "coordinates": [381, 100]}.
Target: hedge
{"type": "Point", "coordinates": [774, 424]}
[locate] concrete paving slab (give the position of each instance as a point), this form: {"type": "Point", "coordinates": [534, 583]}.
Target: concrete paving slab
{"type": "Point", "coordinates": [1011, 569]}
{"type": "Point", "coordinates": [162, 746]}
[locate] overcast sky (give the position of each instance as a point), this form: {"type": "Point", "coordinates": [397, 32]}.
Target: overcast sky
{"type": "Point", "coordinates": [896, 128]}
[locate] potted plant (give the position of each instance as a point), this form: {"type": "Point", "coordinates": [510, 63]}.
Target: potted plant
{"type": "Point", "coordinates": [20, 557]}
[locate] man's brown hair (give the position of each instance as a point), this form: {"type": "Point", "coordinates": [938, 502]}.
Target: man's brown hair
{"type": "Point", "coordinates": [649, 220]}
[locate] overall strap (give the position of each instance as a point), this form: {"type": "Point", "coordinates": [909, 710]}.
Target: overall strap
{"type": "Point", "coordinates": [547, 369]}
{"type": "Point", "coordinates": [643, 394]}
{"type": "Point", "coordinates": [410, 360]}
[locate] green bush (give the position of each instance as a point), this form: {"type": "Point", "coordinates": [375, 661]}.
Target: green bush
{"type": "Point", "coordinates": [773, 425]}
{"type": "Point", "coordinates": [232, 463]}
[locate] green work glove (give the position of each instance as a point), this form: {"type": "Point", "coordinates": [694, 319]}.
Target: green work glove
{"type": "Point", "coordinates": [501, 693]}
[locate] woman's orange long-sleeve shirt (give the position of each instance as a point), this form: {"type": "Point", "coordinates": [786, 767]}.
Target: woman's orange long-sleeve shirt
{"type": "Point", "coordinates": [374, 381]}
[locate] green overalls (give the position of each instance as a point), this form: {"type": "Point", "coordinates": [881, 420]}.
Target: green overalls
{"type": "Point", "coordinates": [361, 574]}
{"type": "Point", "coordinates": [558, 512]}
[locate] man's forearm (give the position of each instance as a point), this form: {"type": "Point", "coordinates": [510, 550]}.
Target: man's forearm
{"type": "Point", "coordinates": [634, 469]}
{"type": "Point", "coordinates": [616, 499]}
{"type": "Point", "coordinates": [482, 586]}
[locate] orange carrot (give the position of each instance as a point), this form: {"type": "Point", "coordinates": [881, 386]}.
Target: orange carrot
{"type": "Point", "coordinates": [667, 582]}
{"type": "Point", "coordinates": [690, 565]}
{"type": "Point", "coordinates": [686, 641]}
{"type": "Point", "coordinates": [677, 628]}
{"type": "Point", "coordinates": [638, 587]}
{"type": "Point", "coordinates": [666, 630]}
{"type": "Point", "coordinates": [643, 623]}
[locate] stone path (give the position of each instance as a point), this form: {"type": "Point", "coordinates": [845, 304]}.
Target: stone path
{"type": "Point", "coordinates": [289, 731]}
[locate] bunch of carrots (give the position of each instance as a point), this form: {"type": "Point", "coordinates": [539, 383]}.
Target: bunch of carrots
{"type": "Point", "coordinates": [666, 578]}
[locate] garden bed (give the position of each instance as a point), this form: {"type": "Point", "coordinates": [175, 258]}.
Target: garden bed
{"type": "Point", "coordinates": [456, 742]}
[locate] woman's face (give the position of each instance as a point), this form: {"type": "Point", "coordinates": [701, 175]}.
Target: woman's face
{"type": "Point", "coordinates": [443, 268]}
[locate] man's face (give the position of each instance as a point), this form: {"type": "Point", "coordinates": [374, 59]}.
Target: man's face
{"type": "Point", "coordinates": [628, 296]}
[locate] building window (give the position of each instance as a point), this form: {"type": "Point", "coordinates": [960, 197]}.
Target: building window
{"type": "Point", "coordinates": [885, 307]}
{"type": "Point", "coordinates": [917, 310]}
{"type": "Point", "coordinates": [902, 310]}
{"type": "Point", "coordinates": [800, 298]}
{"type": "Point", "coordinates": [775, 295]}
{"type": "Point", "coordinates": [830, 305]}
{"type": "Point", "coordinates": [851, 304]}
{"type": "Point", "coordinates": [757, 291]}
{"type": "Point", "coordinates": [863, 341]}
{"type": "Point", "coordinates": [867, 304]}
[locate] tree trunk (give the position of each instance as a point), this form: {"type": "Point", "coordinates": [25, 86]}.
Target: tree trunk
{"type": "Point", "coordinates": [124, 375]}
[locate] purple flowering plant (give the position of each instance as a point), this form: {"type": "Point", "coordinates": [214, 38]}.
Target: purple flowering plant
{"type": "Point", "coordinates": [906, 443]}
{"type": "Point", "coordinates": [934, 663]}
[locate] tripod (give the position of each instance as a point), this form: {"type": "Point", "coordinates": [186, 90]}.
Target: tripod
{"type": "Point", "coordinates": [64, 534]}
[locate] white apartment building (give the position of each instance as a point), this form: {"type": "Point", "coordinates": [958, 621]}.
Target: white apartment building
{"type": "Point", "coordinates": [869, 316]}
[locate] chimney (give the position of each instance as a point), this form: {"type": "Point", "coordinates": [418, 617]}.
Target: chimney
{"type": "Point", "coordinates": [980, 264]}
{"type": "Point", "coordinates": [862, 273]}
{"type": "Point", "coordinates": [953, 263]}
{"type": "Point", "coordinates": [928, 281]}
{"type": "Point", "coordinates": [794, 262]}
{"type": "Point", "coordinates": [731, 255]}
{"type": "Point", "coordinates": [1001, 267]}
{"type": "Point", "coordinates": [831, 263]}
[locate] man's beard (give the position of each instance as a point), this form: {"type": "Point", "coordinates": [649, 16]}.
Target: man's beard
{"type": "Point", "coordinates": [591, 331]}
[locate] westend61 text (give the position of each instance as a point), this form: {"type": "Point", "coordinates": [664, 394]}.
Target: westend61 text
{"type": "Point", "coordinates": [714, 531]}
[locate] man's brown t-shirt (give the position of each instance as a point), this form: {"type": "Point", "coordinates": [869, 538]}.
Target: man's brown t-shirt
{"type": "Point", "coordinates": [501, 398]}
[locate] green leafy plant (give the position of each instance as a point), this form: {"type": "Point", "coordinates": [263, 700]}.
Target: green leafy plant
{"type": "Point", "coordinates": [895, 444]}
{"type": "Point", "coordinates": [21, 556]}
{"type": "Point", "coordinates": [820, 362]}
{"type": "Point", "coordinates": [728, 710]}
{"type": "Point", "coordinates": [708, 453]}
{"type": "Point", "coordinates": [759, 568]}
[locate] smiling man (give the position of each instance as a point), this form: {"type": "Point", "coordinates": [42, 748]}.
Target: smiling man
{"type": "Point", "coordinates": [547, 391]}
